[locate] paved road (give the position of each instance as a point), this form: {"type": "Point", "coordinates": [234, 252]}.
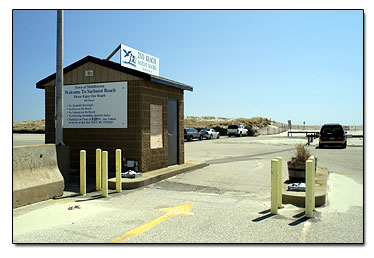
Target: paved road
{"type": "Point", "coordinates": [27, 139]}
{"type": "Point", "coordinates": [226, 202]}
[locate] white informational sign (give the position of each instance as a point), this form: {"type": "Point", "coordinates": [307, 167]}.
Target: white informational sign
{"type": "Point", "coordinates": [137, 60]}
{"type": "Point", "coordinates": [97, 105]}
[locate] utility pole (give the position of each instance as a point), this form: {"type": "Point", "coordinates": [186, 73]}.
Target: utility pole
{"type": "Point", "coordinates": [59, 81]}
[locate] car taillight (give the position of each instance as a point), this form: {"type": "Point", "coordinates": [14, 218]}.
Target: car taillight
{"type": "Point", "coordinates": [340, 137]}
{"type": "Point", "coordinates": [323, 137]}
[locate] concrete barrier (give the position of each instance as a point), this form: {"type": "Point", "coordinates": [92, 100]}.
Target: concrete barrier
{"type": "Point", "coordinates": [36, 176]}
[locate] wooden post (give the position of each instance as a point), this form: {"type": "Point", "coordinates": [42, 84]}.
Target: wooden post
{"type": "Point", "coordinates": [274, 186]}
{"type": "Point", "coordinates": [98, 169]}
{"type": "Point", "coordinates": [279, 189]}
{"type": "Point", "coordinates": [118, 171]}
{"type": "Point", "coordinates": [309, 188]}
{"type": "Point", "coordinates": [82, 174]}
{"type": "Point", "coordinates": [104, 170]}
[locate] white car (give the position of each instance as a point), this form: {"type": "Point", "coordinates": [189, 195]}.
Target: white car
{"type": "Point", "coordinates": [209, 133]}
{"type": "Point", "coordinates": [237, 130]}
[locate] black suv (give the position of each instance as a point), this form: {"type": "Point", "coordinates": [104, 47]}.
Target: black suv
{"type": "Point", "coordinates": [332, 134]}
{"type": "Point", "coordinates": [192, 133]}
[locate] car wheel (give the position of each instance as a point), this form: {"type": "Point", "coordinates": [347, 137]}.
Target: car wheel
{"type": "Point", "coordinates": [211, 137]}
{"type": "Point", "coordinates": [344, 145]}
{"type": "Point", "coordinates": [217, 136]}
{"type": "Point", "coordinates": [190, 138]}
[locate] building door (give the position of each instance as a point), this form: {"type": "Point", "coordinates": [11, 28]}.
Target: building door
{"type": "Point", "coordinates": [172, 132]}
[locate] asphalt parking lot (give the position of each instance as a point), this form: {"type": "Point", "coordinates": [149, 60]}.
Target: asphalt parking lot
{"type": "Point", "coordinates": [225, 202]}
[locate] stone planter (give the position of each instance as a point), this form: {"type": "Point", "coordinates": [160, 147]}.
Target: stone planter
{"type": "Point", "coordinates": [296, 171]}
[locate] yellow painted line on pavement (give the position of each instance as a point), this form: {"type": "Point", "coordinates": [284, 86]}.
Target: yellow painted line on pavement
{"type": "Point", "coordinates": [305, 231]}
{"type": "Point", "coordinates": [170, 212]}
{"type": "Point", "coordinates": [62, 201]}
{"type": "Point", "coordinates": [15, 213]}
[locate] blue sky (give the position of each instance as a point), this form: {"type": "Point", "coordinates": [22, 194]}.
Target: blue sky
{"type": "Point", "coordinates": [299, 65]}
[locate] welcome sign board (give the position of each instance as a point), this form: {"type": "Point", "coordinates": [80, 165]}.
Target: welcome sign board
{"type": "Point", "coordinates": [137, 60]}
{"type": "Point", "coordinates": [96, 105]}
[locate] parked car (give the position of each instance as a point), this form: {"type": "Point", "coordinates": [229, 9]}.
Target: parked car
{"type": "Point", "coordinates": [332, 134]}
{"type": "Point", "coordinates": [237, 130]}
{"type": "Point", "coordinates": [192, 133]}
{"type": "Point", "coordinates": [209, 133]}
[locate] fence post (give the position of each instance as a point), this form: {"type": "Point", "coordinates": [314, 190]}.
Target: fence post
{"type": "Point", "coordinates": [274, 186]}
{"type": "Point", "coordinates": [309, 189]}
{"type": "Point", "coordinates": [279, 182]}
{"type": "Point", "coordinates": [98, 169]}
{"type": "Point", "coordinates": [82, 174]}
{"type": "Point", "coordinates": [104, 170]}
{"type": "Point", "coordinates": [118, 171]}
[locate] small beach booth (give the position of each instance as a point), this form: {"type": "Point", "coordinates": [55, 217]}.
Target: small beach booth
{"type": "Point", "coordinates": [124, 105]}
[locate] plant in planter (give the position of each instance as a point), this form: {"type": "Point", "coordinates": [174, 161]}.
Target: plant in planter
{"type": "Point", "coordinates": [296, 166]}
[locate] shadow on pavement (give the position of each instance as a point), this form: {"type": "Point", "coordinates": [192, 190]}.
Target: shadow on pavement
{"type": "Point", "coordinates": [297, 222]}
{"type": "Point", "coordinates": [267, 215]}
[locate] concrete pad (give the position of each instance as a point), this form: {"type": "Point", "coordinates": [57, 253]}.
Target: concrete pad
{"type": "Point", "coordinates": [156, 175]}
{"type": "Point", "coordinates": [298, 198]}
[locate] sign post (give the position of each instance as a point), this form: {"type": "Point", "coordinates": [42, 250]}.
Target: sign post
{"type": "Point", "coordinates": [59, 139]}
{"type": "Point", "coordinates": [289, 127]}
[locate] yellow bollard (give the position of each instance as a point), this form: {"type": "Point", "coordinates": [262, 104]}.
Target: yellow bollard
{"type": "Point", "coordinates": [314, 174]}
{"type": "Point", "coordinates": [104, 171]}
{"type": "Point", "coordinates": [274, 186]}
{"type": "Point", "coordinates": [279, 182]}
{"type": "Point", "coordinates": [98, 169]}
{"type": "Point", "coordinates": [118, 171]}
{"type": "Point", "coordinates": [82, 177]}
{"type": "Point", "coordinates": [309, 188]}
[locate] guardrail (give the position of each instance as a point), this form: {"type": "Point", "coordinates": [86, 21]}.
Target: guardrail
{"type": "Point", "coordinates": [311, 135]}
{"type": "Point", "coordinates": [306, 132]}
{"type": "Point", "coordinates": [354, 136]}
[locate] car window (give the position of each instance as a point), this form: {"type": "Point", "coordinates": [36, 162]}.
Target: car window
{"type": "Point", "coordinates": [337, 131]}
{"type": "Point", "coordinates": [326, 130]}
{"type": "Point", "coordinates": [233, 127]}
{"type": "Point", "coordinates": [332, 130]}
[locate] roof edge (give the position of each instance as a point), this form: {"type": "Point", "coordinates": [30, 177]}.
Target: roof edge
{"type": "Point", "coordinates": [115, 66]}
{"type": "Point", "coordinates": [171, 83]}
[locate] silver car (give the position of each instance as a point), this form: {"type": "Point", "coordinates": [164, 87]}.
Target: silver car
{"type": "Point", "coordinates": [209, 133]}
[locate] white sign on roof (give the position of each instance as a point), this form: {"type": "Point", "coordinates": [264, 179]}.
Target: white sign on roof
{"type": "Point", "coordinates": [137, 60]}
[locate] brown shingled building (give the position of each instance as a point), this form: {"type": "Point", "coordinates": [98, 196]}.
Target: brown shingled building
{"type": "Point", "coordinates": [146, 95]}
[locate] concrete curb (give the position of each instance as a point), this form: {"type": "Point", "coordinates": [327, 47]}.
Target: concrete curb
{"type": "Point", "coordinates": [298, 198]}
{"type": "Point", "coordinates": [156, 175]}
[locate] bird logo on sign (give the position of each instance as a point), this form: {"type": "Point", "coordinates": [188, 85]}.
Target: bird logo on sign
{"type": "Point", "coordinates": [129, 58]}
